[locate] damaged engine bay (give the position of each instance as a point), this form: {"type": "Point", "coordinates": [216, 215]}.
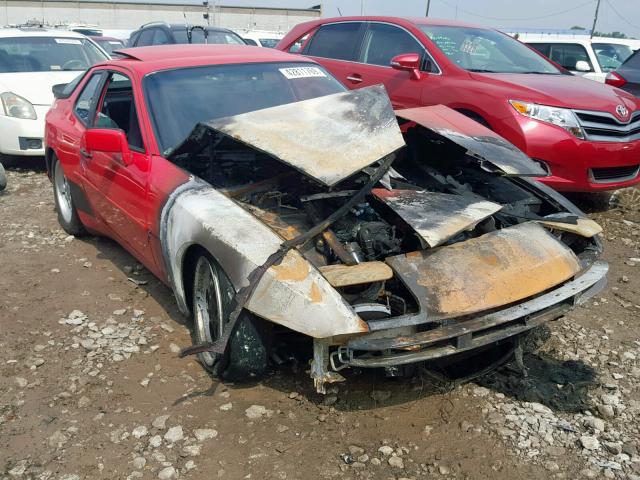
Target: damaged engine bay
{"type": "Point", "coordinates": [446, 238]}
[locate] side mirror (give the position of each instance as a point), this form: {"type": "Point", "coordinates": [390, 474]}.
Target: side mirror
{"type": "Point", "coordinates": [409, 62]}
{"type": "Point", "coordinates": [108, 140]}
{"type": "Point", "coordinates": [582, 66]}
{"type": "Point", "coordinates": [58, 90]}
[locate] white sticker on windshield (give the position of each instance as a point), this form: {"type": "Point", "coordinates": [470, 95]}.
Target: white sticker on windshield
{"type": "Point", "coordinates": [114, 42]}
{"type": "Point", "coordinates": [69, 41]}
{"type": "Point", "coordinates": [302, 72]}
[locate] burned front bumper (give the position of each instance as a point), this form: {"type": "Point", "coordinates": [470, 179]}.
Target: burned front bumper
{"type": "Point", "coordinates": [456, 336]}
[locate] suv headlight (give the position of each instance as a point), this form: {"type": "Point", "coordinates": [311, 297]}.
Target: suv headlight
{"type": "Point", "coordinates": [16, 106]}
{"type": "Point", "coordinates": [561, 117]}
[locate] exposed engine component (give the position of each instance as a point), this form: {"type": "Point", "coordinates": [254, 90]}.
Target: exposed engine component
{"type": "Point", "coordinates": [377, 239]}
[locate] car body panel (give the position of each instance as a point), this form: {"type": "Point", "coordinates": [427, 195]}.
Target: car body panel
{"type": "Point", "coordinates": [495, 269]}
{"type": "Point", "coordinates": [448, 214]}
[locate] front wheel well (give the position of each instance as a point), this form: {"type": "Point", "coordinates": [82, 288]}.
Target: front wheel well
{"type": "Point", "coordinates": [474, 116]}
{"type": "Point", "coordinates": [49, 155]}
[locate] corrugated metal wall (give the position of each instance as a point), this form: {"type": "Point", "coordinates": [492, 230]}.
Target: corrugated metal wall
{"type": "Point", "coordinates": [131, 15]}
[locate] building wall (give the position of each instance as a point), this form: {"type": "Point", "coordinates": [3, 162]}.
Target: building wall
{"type": "Point", "coordinates": [129, 16]}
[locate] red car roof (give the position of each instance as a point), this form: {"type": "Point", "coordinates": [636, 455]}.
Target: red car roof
{"type": "Point", "coordinates": [163, 57]}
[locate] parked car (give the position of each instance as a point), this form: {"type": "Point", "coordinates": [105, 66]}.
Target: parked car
{"type": "Point", "coordinates": [581, 132]}
{"type": "Point", "coordinates": [108, 44]}
{"type": "Point", "coordinates": [627, 76]}
{"type": "Point", "coordinates": [262, 39]}
{"type": "Point", "coordinates": [162, 33]}
{"type": "Point", "coordinates": [32, 60]}
{"type": "Point", "coordinates": [592, 59]}
{"type": "Point", "coordinates": [271, 196]}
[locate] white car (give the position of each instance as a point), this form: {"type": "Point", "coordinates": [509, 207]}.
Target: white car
{"type": "Point", "coordinates": [261, 39]}
{"type": "Point", "coordinates": [32, 61]}
{"type": "Point", "coordinates": [593, 59]}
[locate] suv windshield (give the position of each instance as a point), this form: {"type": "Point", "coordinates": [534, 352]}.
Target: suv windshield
{"type": "Point", "coordinates": [45, 54]}
{"type": "Point", "coordinates": [202, 35]}
{"type": "Point", "coordinates": [482, 50]}
{"type": "Point", "coordinates": [611, 55]}
{"type": "Point", "coordinates": [217, 91]}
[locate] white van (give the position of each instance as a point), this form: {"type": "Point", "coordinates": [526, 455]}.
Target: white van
{"type": "Point", "coordinates": [591, 58]}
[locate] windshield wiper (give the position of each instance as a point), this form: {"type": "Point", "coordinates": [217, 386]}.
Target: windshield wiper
{"type": "Point", "coordinates": [539, 73]}
{"type": "Point", "coordinates": [482, 70]}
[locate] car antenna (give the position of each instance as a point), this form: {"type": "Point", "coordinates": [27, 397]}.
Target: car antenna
{"type": "Point", "coordinates": [339, 11]}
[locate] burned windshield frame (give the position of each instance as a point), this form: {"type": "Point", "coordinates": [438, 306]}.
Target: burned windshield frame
{"type": "Point", "coordinates": [164, 146]}
{"type": "Point", "coordinates": [459, 44]}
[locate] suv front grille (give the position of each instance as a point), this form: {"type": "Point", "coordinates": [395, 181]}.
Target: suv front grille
{"type": "Point", "coordinates": [614, 174]}
{"type": "Point", "coordinates": [604, 127]}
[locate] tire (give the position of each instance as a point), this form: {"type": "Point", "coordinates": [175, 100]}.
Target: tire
{"type": "Point", "coordinates": [248, 350]}
{"type": "Point", "coordinates": [67, 213]}
{"type": "Point", "coordinates": [3, 178]}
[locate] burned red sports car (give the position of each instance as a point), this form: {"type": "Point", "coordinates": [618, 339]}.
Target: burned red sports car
{"type": "Point", "coordinates": [271, 200]}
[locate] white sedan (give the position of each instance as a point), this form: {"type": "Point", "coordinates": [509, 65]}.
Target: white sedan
{"type": "Point", "coordinates": [32, 60]}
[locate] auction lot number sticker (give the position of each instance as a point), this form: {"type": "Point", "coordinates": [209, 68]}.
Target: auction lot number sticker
{"type": "Point", "coordinates": [302, 72]}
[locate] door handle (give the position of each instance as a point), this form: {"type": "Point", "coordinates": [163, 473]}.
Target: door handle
{"type": "Point", "coordinates": [355, 78]}
{"type": "Point", "coordinates": [85, 153]}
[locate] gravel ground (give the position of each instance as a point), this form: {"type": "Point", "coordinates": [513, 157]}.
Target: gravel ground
{"type": "Point", "coordinates": [91, 387]}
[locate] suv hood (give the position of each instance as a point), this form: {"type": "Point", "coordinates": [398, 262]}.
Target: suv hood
{"type": "Point", "coordinates": [35, 86]}
{"type": "Point", "coordinates": [567, 91]}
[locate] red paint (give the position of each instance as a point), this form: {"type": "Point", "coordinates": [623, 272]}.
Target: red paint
{"type": "Point", "coordinates": [487, 95]}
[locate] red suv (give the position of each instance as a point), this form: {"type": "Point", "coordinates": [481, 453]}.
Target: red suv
{"type": "Point", "coordinates": [585, 134]}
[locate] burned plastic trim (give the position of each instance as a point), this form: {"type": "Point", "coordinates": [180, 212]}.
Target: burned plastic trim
{"type": "Point", "coordinates": [369, 352]}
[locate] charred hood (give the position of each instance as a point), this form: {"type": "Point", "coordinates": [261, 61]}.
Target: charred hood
{"type": "Point", "coordinates": [326, 138]}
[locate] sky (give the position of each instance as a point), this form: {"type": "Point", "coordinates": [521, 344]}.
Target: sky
{"type": "Point", "coordinates": [615, 15]}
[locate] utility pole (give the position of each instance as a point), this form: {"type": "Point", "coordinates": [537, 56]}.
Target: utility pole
{"type": "Point", "coordinates": [428, 5]}
{"type": "Point", "coordinates": [595, 19]}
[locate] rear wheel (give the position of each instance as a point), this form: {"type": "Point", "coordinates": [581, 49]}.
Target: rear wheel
{"type": "Point", "coordinates": [248, 349]}
{"type": "Point", "coordinates": [67, 213]}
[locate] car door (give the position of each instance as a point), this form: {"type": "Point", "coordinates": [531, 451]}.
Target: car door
{"type": "Point", "coordinates": [381, 43]}
{"type": "Point", "coordinates": [336, 46]}
{"type": "Point", "coordinates": [117, 191]}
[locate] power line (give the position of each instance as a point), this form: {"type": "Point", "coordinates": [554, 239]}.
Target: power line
{"type": "Point", "coordinates": [621, 17]}
{"type": "Point", "coordinates": [590, 2]}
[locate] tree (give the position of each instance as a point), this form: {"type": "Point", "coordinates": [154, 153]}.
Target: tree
{"type": "Point", "coordinates": [577, 27]}
{"type": "Point", "coordinates": [610, 34]}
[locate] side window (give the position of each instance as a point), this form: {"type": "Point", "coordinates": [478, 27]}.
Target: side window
{"type": "Point", "coordinates": [383, 42]}
{"type": "Point", "coordinates": [297, 46]}
{"type": "Point", "coordinates": [249, 41]}
{"type": "Point", "coordinates": [543, 48]}
{"type": "Point", "coordinates": [132, 40]}
{"type": "Point", "coordinates": [145, 38]}
{"type": "Point", "coordinates": [88, 98]}
{"type": "Point", "coordinates": [568, 54]}
{"type": "Point", "coordinates": [160, 37]}
{"type": "Point", "coordinates": [338, 41]}
{"type": "Point", "coordinates": [118, 110]}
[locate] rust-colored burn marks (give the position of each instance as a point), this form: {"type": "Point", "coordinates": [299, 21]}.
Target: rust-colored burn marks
{"type": "Point", "coordinates": [486, 272]}
{"type": "Point", "coordinates": [293, 268]}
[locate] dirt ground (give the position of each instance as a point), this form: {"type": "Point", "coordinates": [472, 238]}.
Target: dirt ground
{"type": "Point", "coordinates": [91, 386]}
